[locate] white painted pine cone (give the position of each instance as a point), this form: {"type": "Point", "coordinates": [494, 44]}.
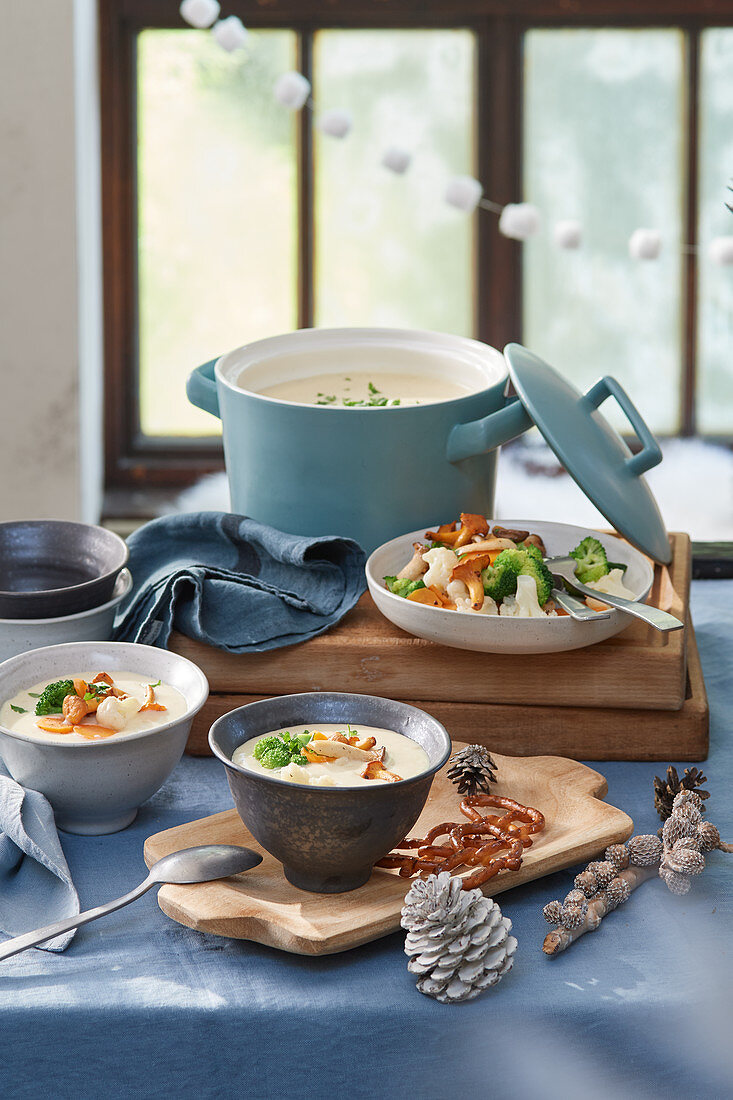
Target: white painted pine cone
{"type": "Point", "coordinates": [457, 940]}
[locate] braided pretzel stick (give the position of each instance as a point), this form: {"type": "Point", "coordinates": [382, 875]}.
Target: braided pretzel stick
{"type": "Point", "coordinates": [466, 843]}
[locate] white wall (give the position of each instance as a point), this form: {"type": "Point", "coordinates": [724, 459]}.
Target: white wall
{"type": "Point", "coordinates": [47, 431]}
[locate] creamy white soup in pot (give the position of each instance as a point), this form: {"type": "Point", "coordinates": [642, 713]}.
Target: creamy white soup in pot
{"type": "Point", "coordinates": [366, 390]}
{"type": "Point", "coordinates": [91, 706]}
{"type": "Point", "coordinates": [328, 755]}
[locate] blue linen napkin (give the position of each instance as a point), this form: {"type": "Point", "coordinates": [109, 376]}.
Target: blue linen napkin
{"type": "Point", "coordinates": [236, 584]}
{"type": "Point", "coordinates": [35, 883]}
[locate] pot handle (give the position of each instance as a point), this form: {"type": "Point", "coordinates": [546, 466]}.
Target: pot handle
{"type": "Point", "coordinates": [650, 454]}
{"type": "Point", "coordinates": [201, 388]}
{"type": "Point", "coordinates": [492, 431]}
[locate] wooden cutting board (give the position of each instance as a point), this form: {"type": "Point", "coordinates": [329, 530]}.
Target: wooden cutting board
{"type": "Point", "coordinates": [263, 906]}
{"type": "Point", "coordinates": [638, 669]}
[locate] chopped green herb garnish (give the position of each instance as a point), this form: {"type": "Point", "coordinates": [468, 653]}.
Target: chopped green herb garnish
{"type": "Point", "coordinates": [373, 388]}
{"type": "Point", "coordinates": [156, 684]}
{"type": "Point", "coordinates": [35, 694]}
{"type": "Point", "coordinates": [18, 710]}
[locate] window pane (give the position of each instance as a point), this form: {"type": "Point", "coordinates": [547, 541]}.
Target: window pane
{"type": "Point", "coordinates": [389, 251]}
{"type": "Point", "coordinates": [603, 144]}
{"type": "Point", "coordinates": [715, 284]}
{"type": "Point", "coordinates": [217, 210]}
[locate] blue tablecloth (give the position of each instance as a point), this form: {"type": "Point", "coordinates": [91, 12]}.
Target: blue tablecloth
{"type": "Point", "coordinates": [140, 1006]}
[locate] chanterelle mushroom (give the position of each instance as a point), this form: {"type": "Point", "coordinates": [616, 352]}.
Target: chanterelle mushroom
{"type": "Point", "coordinates": [470, 573]}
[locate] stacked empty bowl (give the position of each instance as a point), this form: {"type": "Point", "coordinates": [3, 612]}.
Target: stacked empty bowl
{"type": "Point", "coordinates": [59, 582]}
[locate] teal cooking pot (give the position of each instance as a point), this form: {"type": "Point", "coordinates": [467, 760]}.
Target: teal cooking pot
{"type": "Point", "coordinates": [374, 473]}
{"type": "Point", "coordinates": [369, 473]}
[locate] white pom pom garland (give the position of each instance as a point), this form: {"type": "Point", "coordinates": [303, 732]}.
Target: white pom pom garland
{"type": "Point", "coordinates": [720, 250]}
{"type": "Point", "coordinates": [396, 159]}
{"type": "Point", "coordinates": [463, 192]}
{"type": "Point", "coordinates": [567, 234]}
{"type": "Point", "coordinates": [292, 90]}
{"type": "Point", "coordinates": [645, 244]}
{"type": "Point", "coordinates": [335, 122]}
{"type": "Point", "coordinates": [200, 13]}
{"type": "Point", "coordinates": [519, 220]}
{"type": "Point", "coordinates": [230, 33]}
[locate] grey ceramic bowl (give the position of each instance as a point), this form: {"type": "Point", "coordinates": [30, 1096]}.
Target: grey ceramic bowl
{"type": "Point", "coordinates": [96, 624]}
{"type": "Point", "coordinates": [327, 838]}
{"type": "Point", "coordinates": [52, 567]}
{"type": "Point", "coordinates": [96, 787]}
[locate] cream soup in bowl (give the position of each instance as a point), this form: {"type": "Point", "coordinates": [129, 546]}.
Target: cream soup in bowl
{"type": "Point", "coordinates": [91, 706]}
{"type": "Point", "coordinates": [332, 755]}
{"type": "Point", "coordinates": [95, 784]}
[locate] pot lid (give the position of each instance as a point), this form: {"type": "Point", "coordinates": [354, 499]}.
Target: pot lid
{"type": "Point", "coordinates": [593, 452]}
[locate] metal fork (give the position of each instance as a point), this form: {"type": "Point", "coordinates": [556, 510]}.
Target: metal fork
{"type": "Point", "coordinates": [575, 608]}
{"type": "Point", "coordinates": [564, 568]}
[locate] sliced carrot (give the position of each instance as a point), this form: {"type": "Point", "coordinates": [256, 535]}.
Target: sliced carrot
{"type": "Point", "coordinates": [54, 725]}
{"type": "Point", "coordinates": [319, 737]}
{"type": "Point", "coordinates": [426, 596]}
{"type": "Point", "coordinates": [316, 758]}
{"type": "Point", "coordinates": [94, 733]}
{"type": "Point", "coordinates": [81, 688]}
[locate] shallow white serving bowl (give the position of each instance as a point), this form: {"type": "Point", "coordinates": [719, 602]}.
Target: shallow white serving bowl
{"type": "Point", "coordinates": [97, 786]}
{"type": "Point", "coordinates": [496, 633]}
{"type": "Point", "coordinates": [96, 624]}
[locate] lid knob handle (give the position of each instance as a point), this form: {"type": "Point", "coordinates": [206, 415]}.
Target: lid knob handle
{"type": "Point", "coordinates": [650, 454]}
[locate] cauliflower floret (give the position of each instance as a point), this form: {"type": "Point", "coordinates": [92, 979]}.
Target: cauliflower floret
{"type": "Point", "coordinates": [489, 606]}
{"type": "Point", "coordinates": [613, 583]}
{"type": "Point", "coordinates": [456, 590]}
{"type": "Point", "coordinates": [441, 563]}
{"type": "Point", "coordinates": [524, 604]}
{"type": "Point", "coordinates": [114, 713]}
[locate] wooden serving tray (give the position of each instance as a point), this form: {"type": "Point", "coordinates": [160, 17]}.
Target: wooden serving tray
{"type": "Point", "coordinates": [261, 905]}
{"type": "Point", "coordinates": [639, 669]}
{"type": "Point", "coordinates": [585, 733]}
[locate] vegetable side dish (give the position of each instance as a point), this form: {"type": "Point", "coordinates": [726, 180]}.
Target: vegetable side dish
{"type": "Point", "coordinates": [466, 567]}
{"type": "Point", "coordinates": [333, 756]}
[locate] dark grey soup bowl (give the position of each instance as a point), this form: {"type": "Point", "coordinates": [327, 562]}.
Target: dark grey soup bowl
{"type": "Point", "coordinates": [327, 838]}
{"type": "Point", "coordinates": [51, 567]}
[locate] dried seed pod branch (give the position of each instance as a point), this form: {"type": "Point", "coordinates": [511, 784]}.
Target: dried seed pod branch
{"type": "Point", "coordinates": [605, 884]}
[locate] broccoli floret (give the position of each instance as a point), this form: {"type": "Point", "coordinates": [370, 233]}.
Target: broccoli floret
{"type": "Point", "coordinates": [400, 586]}
{"type": "Point", "coordinates": [591, 559]}
{"type": "Point", "coordinates": [279, 750]}
{"type": "Point", "coordinates": [500, 579]}
{"type": "Point", "coordinates": [536, 568]}
{"type": "Point", "coordinates": [53, 695]}
{"type": "Point", "coordinates": [532, 550]}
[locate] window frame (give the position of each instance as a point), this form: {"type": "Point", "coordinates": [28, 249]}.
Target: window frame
{"type": "Point", "coordinates": [134, 461]}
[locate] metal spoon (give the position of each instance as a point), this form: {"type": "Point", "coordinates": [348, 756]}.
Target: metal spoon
{"type": "Point", "coordinates": [202, 864]}
{"type": "Point", "coordinates": [654, 616]}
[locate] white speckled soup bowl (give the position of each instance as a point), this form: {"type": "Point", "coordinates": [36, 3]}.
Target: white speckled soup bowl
{"type": "Point", "coordinates": [498, 633]}
{"type": "Point", "coordinates": [96, 787]}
